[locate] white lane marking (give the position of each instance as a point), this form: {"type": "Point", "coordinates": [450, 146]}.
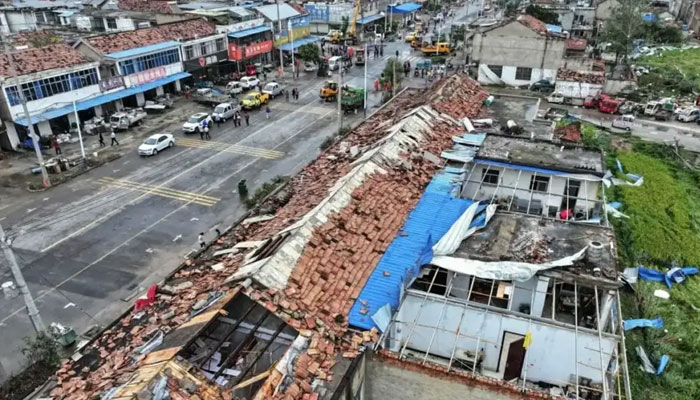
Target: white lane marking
{"type": "Point", "coordinates": [178, 237]}
{"type": "Point", "coordinates": [149, 250]}
{"type": "Point", "coordinates": [29, 210]}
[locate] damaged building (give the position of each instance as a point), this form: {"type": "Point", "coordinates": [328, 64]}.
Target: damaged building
{"type": "Point", "coordinates": [372, 266]}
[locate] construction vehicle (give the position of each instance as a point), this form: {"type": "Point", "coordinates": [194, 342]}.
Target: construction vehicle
{"type": "Point", "coordinates": [351, 34]}
{"type": "Point", "coordinates": [352, 99]}
{"type": "Point", "coordinates": [127, 119]}
{"type": "Point", "coordinates": [329, 91]}
{"type": "Point", "coordinates": [411, 36]}
{"type": "Point", "coordinates": [360, 56]}
{"type": "Point", "coordinates": [609, 105]}
{"type": "Point", "coordinates": [254, 100]}
{"type": "Point", "coordinates": [441, 48]}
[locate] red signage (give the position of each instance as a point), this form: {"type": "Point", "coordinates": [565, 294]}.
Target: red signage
{"type": "Point", "coordinates": [202, 61]}
{"type": "Point", "coordinates": [152, 74]}
{"type": "Point", "coordinates": [237, 53]}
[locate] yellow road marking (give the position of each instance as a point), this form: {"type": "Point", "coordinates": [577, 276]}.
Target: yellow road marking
{"type": "Point", "coordinates": [231, 148]}
{"type": "Point", "coordinates": [196, 198]}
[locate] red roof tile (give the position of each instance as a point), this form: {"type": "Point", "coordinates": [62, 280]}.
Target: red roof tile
{"type": "Point", "coordinates": [533, 23]}
{"type": "Point", "coordinates": [41, 59]}
{"type": "Point", "coordinates": [186, 30]}
{"type": "Point", "coordinates": [158, 6]}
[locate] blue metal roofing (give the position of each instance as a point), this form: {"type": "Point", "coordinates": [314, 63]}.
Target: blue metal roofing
{"type": "Point", "coordinates": [143, 50]}
{"type": "Point", "coordinates": [405, 8]}
{"type": "Point", "coordinates": [249, 31]}
{"type": "Point", "coordinates": [432, 217]}
{"type": "Point", "coordinates": [518, 166]}
{"type": "Point", "coordinates": [300, 42]}
{"type": "Point", "coordinates": [369, 19]}
{"type": "Point", "coordinates": [103, 99]}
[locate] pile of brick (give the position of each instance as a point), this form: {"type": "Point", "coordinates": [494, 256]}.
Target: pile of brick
{"type": "Point", "coordinates": [570, 75]}
{"type": "Point", "coordinates": [459, 97]}
{"type": "Point", "coordinates": [569, 133]}
{"type": "Point", "coordinates": [115, 42]}
{"type": "Point", "coordinates": [41, 59]}
{"type": "Point", "coordinates": [533, 23]}
{"type": "Point", "coordinates": [156, 6]}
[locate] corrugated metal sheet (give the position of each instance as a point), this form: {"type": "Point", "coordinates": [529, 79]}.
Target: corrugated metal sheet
{"type": "Point", "coordinates": [143, 50]}
{"type": "Point", "coordinates": [434, 214]}
{"type": "Point", "coordinates": [270, 11]}
{"type": "Point", "coordinates": [249, 31]}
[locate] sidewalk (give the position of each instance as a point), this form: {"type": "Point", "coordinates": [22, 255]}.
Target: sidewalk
{"type": "Point", "coordinates": [15, 170]}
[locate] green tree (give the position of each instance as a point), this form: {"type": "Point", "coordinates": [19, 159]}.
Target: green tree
{"type": "Point", "coordinates": [42, 349]}
{"type": "Point", "coordinates": [624, 26]}
{"type": "Point", "coordinates": [309, 52]}
{"type": "Point", "coordinates": [344, 25]}
{"type": "Point", "coordinates": [542, 14]}
{"type": "Point", "coordinates": [392, 66]}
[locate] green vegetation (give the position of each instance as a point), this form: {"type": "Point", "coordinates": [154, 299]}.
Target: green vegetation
{"type": "Point", "coordinates": [542, 14]}
{"type": "Point", "coordinates": [663, 229]}
{"type": "Point", "coordinates": [675, 72]}
{"type": "Point", "coordinates": [310, 52]}
{"type": "Point", "coordinates": [264, 191]}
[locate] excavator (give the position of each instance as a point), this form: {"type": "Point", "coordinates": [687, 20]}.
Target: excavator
{"type": "Point", "coordinates": [329, 91]}
{"type": "Point", "coordinates": [351, 34]}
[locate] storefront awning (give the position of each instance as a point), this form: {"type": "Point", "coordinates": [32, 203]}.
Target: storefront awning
{"type": "Point", "coordinates": [405, 8]}
{"type": "Point", "coordinates": [371, 18]}
{"type": "Point", "coordinates": [102, 99]}
{"type": "Point", "coordinates": [300, 42]}
{"type": "Point", "coordinates": [249, 31]}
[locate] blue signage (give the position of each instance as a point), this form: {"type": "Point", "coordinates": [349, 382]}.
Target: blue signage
{"type": "Point", "coordinates": [299, 22]}
{"type": "Point", "coordinates": [318, 12]}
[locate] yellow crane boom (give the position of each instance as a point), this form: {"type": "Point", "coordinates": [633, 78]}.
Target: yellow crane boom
{"type": "Point", "coordinates": [352, 30]}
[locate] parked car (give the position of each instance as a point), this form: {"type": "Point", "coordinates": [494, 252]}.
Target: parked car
{"type": "Point", "coordinates": [196, 123]}
{"type": "Point", "coordinates": [254, 100]}
{"type": "Point", "coordinates": [543, 86]}
{"type": "Point", "coordinates": [224, 111]}
{"type": "Point", "coordinates": [273, 89]}
{"type": "Point", "coordinates": [625, 122]}
{"type": "Point", "coordinates": [249, 82]}
{"type": "Point", "coordinates": [688, 115]}
{"type": "Point", "coordinates": [309, 67]}
{"type": "Point", "coordinates": [155, 143]}
{"type": "Point", "coordinates": [334, 62]}
{"type": "Point", "coordinates": [663, 115]}
{"type": "Point", "coordinates": [234, 87]}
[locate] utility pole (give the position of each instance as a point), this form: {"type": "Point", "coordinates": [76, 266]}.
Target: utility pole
{"type": "Point", "coordinates": [35, 139]}
{"type": "Point", "coordinates": [340, 94]}
{"type": "Point", "coordinates": [77, 123]}
{"type": "Point", "coordinates": [279, 28]}
{"type": "Point", "coordinates": [393, 75]}
{"type": "Point", "coordinates": [364, 44]}
{"type": "Point", "coordinates": [21, 284]}
{"type": "Point", "coordinates": [291, 41]}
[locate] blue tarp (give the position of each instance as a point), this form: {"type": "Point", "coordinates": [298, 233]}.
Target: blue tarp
{"type": "Point", "coordinates": [142, 50]}
{"type": "Point", "coordinates": [371, 18]}
{"type": "Point", "coordinates": [299, 42]}
{"type": "Point", "coordinates": [662, 364]}
{"type": "Point", "coordinates": [405, 8]}
{"type": "Point", "coordinates": [432, 217]}
{"type": "Point", "coordinates": [674, 275]}
{"type": "Point", "coordinates": [103, 99]}
{"type": "Point", "coordinates": [630, 324]}
{"type": "Point", "coordinates": [554, 28]}
{"type": "Point", "coordinates": [249, 31]}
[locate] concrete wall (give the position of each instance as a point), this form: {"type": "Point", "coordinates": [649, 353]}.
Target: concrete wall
{"type": "Point", "coordinates": [509, 179]}
{"type": "Point", "coordinates": [604, 10]}
{"type": "Point", "coordinates": [579, 90]}
{"type": "Point", "coordinates": [551, 356]}
{"type": "Point", "coordinates": [21, 20]}
{"type": "Point", "coordinates": [389, 382]}
{"type": "Point", "coordinates": [514, 45]}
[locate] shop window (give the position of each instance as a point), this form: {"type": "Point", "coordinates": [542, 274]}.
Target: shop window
{"type": "Point", "coordinates": [523, 73]}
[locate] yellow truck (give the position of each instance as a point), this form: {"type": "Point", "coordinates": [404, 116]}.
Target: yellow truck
{"type": "Point", "coordinates": [411, 37]}
{"type": "Point", "coordinates": [436, 49]}
{"type": "Point", "coordinates": [254, 100]}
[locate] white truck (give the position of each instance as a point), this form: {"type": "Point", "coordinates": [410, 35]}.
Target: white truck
{"type": "Point", "coordinates": [126, 119]}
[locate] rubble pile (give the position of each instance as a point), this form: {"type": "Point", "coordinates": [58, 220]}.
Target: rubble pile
{"type": "Point", "coordinates": [41, 59]}
{"type": "Point", "coordinates": [569, 133]}
{"type": "Point", "coordinates": [570, 75]}
{"type": "Point", "coordinates": [155, 6]}
{"type": "Point", "coordinates": [185, 30]}
{"type": "Point", "coordinates": [459, 97]}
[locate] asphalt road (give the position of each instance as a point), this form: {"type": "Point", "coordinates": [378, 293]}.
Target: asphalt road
{"type": "Point", "coordinates": [87, 247]}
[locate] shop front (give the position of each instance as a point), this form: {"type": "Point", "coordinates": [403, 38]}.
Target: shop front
{"type": "Point", "coordinates": [250, 46]}
{"type": "Point", "coordinates": [206, 58]}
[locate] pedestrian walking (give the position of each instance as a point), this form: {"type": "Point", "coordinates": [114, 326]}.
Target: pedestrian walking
{"type": "Point", "coordinates": [204, 127]}
{"type": "Point", "coordinates": [238, 119]}
{"type": "Point", "coordinates": [286, 94]}
{"type": "Point", "coordinates": [102, 140]}
{"type": "Point", "coordinates": [113, 136]}
{"type": "Point", "coordinates": [235, 119]}
{"type": "Point", "coordinates": [57, 147]}
{"type": "Point", "coordinates": [267, 112]}
{"type": "Point", "coordinates": [218, 122]}
{"type": "Point", "coordinates": [265, 76]}
{"type": "Point", "coordinates": [296, 94]}
{"type": "Point", "coordinates": [376, 84]}
{"type": "Point", "coordinates": [206, 133]}
{"type": "Point", "coordinates": [245, 114]}
{"type": "Point", "coordinates": [202, 243]}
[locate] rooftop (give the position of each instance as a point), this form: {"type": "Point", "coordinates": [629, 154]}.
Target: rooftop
{"type": "Point", "coordinates": [532, 239]}
{"type": "Point", "coordinates": [533, 23]}
{"type": "Point", "coordinates": [270, 11]}
{"type": "Point", "coordinates": [41, 59]}
{"type": "Point", "coordinates": [158, 6]}
{"type": "Point", "coordinates": [541, 154]}
{"type": "Point", "coordinates": [179, 31]}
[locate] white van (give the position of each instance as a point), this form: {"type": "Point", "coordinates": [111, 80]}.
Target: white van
{"type": "Point", "coordinates": [625, 122]}
{"type": "Point", "coordinates": [688, 115]}
{"type": "Point", "coordinates": [334, 62]}
{"type": "Point", "coordinates": [234, 87]}
{"type": "Point", "coordinates": [224, 111]}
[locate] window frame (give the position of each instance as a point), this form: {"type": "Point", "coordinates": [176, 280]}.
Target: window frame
{"type": "Point", "coordinates": [537, 180]}
{"type": "Point", "coordinates": [519, 73]}
{"type": "Point", "coordinates": [487, 175]}
{"type": "Point", "coordinates": [498, 67]}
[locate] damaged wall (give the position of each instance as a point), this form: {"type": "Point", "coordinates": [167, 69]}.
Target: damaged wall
{"type": "Point", "coordinates": [547, 339]}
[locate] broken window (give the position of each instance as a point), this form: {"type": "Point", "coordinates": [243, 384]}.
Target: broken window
{"type": "Point", "coordinates": [523, 73]}
{"type": "Point", "coordinates": [496, 69]}
{"type": "Point", "coordinates": [490, 176]}
{"type": "Point", "coordinates": [441, 282]}
{"type": "Point", "coordinates": [111, 23]}
{"type": "Point", "coordinates": [539, 183]}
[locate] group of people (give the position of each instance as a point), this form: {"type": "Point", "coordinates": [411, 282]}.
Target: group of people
{"type": "Point", "coordinates": [236, 118]}
{"type": "Point", "coordinates": [57, 146]}
{"type": "Point", "coordinates": [295, 94]}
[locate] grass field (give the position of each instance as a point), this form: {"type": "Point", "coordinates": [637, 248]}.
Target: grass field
{"type": "Point", "coordinates": [675, 72]}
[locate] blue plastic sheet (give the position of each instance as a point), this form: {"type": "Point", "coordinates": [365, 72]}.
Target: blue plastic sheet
{"type": "Point", "coordinates": [674, 275]}
{"type": "Point", "coordinates": [629, 324]}
{"type": "Point", "coordinates": [662, 364]}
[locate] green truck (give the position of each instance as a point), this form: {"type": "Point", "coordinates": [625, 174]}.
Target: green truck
{"type": "Point", "coordinates": [352, 99]}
